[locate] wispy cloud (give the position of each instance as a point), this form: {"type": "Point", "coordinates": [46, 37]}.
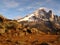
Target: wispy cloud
{"type": "Point", "coordinates": [31, 6]}
{"type": "Point", "coordinates": [48, 0]}
{"type": "Point", "coordinates": [10, 4]}
{"type": "Point", "coordinates": [25, 8]}
{"type": "Point", "coordinates": [58, 12]}
{"type": "Point", "coordinates": [20, 9]}
{"type": "Point", "coordinates": [17, 17]}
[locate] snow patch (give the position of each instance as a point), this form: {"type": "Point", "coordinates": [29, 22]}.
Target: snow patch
{"type": "Point", "coordinates": [26, 18]}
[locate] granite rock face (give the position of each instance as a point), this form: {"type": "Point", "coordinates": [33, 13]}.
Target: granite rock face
{"type": "Point", "coordinates": [41, 15]}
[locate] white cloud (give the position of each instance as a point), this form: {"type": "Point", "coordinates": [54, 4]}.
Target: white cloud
{"type": "Point", "coordinates": [25, 8]}
{"type": "Point", "coordinates": [4, 9]}
{"type": "Point", "coordinates": [20, 9]}
{"type": "Point", "coordinates": [48, 0]}
{"type": "Point", "coordinates": [29, 7]}
{"type": "Point", "coordinates": [58, 12]}
{"type": "Point", "coordinates": [17, 17]}
{"type": "Point", "coordinates": [10, 4]}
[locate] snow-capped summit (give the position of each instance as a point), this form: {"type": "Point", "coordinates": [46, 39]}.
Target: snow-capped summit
{"type": "Point", "coordinates": [42, 8]}
{"type": "Point", "coordinates": [40, 14]}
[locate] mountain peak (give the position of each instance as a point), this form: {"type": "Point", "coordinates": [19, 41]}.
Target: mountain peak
{"type": "Point", "coordinates": [41, 15]}
{"type": "Point", "coordinates": [42, 8]}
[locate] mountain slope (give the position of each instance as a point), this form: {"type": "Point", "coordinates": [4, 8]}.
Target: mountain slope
{"type": "Point", "coordinates": [41, 14]}
{"type": "Point", "coordinates": [26, 18]}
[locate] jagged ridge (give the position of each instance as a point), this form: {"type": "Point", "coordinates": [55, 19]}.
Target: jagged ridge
{"type": "Point", "coordinates": [41, 15]}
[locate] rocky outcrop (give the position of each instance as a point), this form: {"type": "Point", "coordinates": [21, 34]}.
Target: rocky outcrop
{"type": "Point", "coordinates": [41, 15]}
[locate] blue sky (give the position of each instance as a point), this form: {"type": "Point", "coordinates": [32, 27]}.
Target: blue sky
{"type": "Point", "coordinates": [13, 9]}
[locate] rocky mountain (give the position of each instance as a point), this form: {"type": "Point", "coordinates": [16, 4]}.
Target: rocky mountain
{"type": "Point", "coordinates": [41, 15]}
{"type": "Point", "coordinates": [43, 20]}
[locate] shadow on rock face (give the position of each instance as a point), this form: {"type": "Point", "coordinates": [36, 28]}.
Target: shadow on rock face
{"type": "Point", "coordinates": [29, 31]}
{"type": "Point", "coordinates": [44, 43]}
